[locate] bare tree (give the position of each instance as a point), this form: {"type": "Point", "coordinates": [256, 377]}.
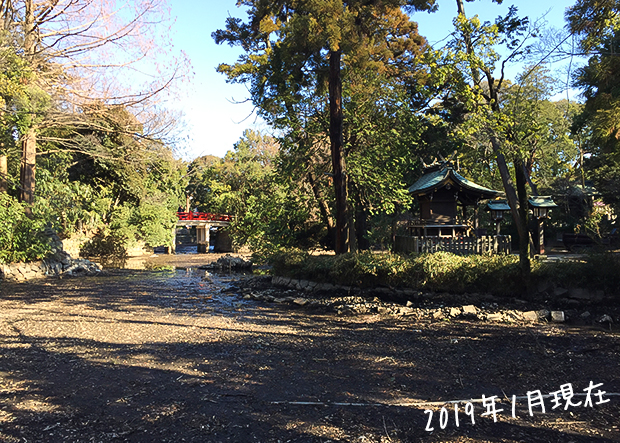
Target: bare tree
{"type": "Point", "coordinates": [78, 53]}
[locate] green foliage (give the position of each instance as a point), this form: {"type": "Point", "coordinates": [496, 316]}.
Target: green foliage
{"type": "Point", "coordinates": [24, 100]}
{"type": "Point", "coordinates": [107, 244]}
{"type": "Point", "coordinates": [597, 271]}
{"type": "Point", "coordinates": [154, 219]}
{"type": "Point", "coordinates": [442, 271]}
{"type": "Point", "coordinates": [269, 209]}
{"type": "Point", "coordinates": [435, 272]}
{"type": "Point", "coordinates": [151, 221]}
{"type": "Point", "coordinates": [21, 238]}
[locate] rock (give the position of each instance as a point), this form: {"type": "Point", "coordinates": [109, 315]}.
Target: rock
{"type": "Point", "coordinates": [497, 316]}
{"type": "Point", "coordinates": [300, 301]}
{"type": "Point", "coordinates": [530, 316]}
{"type": "Point", "coordinates": [544, 286]}
{"type": "Point", "coordinates": [558, 316]}
{"type": "Point", "coordinates": [327, 287]}
{"type": "Point", "coordinates": [579, 294]}
{"type": "Point", "coordinates": [585, 315]}
{"type": "Point", "coordinates": [544, 314]}
{"type": "Point", "coordinates": [470, 310]}
{"type": "Point", "coordinates": [605, 319]}
{"type": "Point", "coordinates": [455, 312]}
{"type": "Point", "coordinates": [303, 285]}
{"type": "Point", "coordinates": [228, 262]}
{"type": "Point", "coordinates": [438, 314]}
{"type": "Point", "coordinates": [409, 304]}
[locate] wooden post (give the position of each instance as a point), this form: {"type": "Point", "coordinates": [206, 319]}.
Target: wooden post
{"type": "Point", "coordinates": [540, 237]}
{"type": "Point", "coordinates": [207, 237]}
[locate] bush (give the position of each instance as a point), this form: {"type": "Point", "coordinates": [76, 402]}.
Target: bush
{"type": "Point", "coordinates": [22, 238]}
{"type": "Point", "coordinates": [443, 271]}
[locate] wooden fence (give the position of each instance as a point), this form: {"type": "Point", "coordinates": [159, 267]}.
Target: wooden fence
{"type": "Point", "coordinates": [487, 244]}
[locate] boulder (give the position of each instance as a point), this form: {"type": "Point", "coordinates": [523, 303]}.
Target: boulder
{"type": "Point", "coordinates": [228, 262]}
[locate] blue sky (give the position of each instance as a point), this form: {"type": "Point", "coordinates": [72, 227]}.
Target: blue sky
{"type": "Point", "coordinates": [214, 122]}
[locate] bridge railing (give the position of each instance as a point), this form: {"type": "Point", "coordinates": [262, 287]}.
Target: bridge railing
{"type": "Point", "coordinates": [204, 216]}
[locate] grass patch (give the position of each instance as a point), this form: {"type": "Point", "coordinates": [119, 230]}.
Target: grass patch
{"type": "Point", "coordinates": [442, 271]}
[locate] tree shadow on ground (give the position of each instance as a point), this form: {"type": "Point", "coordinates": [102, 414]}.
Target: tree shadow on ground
{"type": "Point", "coordinates": [114, 360]}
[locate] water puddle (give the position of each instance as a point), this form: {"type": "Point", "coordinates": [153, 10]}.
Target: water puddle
{"type": "Point", "coordinates": [181, 282]}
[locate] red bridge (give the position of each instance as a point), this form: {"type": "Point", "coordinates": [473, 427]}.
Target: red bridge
{"type": "Point", "coordinates": [203, 222]}
{"type": "Point", "coordinates": [204, 216]}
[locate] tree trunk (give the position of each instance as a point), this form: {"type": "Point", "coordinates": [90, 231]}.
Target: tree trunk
{"type": "Point", "coordinates": [527, 170]}
{"type": "Point", "coordinates": [524, 240]}
{"type": "Point", "coordinates": [517, 203]}
{"type": "Point", "coordinates": [4, 171]}
{"type": "Point", "coordinates": [338, 162]}
{"type": "Point", "coordinates": [28, 169]}
{"type": "Point", "coordinates": [29, 138]}
{"type": "Point", "coordinates": [323, 209]}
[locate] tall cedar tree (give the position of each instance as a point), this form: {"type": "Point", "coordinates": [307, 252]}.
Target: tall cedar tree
{"type": "Point", "coordinates": [596, 23]}
{"type": "Point", "coordinates": [294, 48]}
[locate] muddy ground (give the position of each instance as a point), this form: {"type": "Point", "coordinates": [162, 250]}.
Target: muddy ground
{"type": "Point", "coordinates": [171, 356]}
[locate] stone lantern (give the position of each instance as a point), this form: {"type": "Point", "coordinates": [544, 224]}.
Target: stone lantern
{"type": "Point", "coordinates": [540, 207]}
{"type": "Point", "coordinates": [497, 208]}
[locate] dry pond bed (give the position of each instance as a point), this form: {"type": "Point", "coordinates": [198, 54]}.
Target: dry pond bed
{"type": "Point", "coordinates": [175, 356]}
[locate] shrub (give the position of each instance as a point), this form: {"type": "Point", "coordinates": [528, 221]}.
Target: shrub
{"type": "Point", "coordinates": [22, 238]}
{"type": "Point", "coordinates": [443, 271]}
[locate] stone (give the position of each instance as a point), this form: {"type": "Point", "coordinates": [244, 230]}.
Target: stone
{"type": "Point", "coordinates": [327, 287]}
{"type": "Point", "coordinates": [579, 294]}
{"type": "Point", "coordinates": [544, 314]}
{"type": "Point", "coordinates": [585, 315]}
{"type": "Point", "coordinates": [300, 301]}
{"type": "Point", "coordinates": [497, 316]}
{"type": "Point", "coordinates": [558, 316]}
{"type": "Point", "coordinates": [455, 312]}
{"type": "Point", "coordinates": [605, 319]}
{"type": "Point", "coordinates": [531, 316]}
{"type": "Point", "coordinates": [409, 304]}
{"type": "Point", "coordinates": [438, 314]}
{"type": "Point", "coordinates": [470, 310]}
{"type": "Point", "coordinates": [544, 286]}
{"type": "Point", "coordinates": [303, 284]}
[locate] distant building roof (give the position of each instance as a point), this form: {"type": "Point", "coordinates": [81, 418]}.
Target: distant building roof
{"type": "Point", "coordinates": [438, 176]}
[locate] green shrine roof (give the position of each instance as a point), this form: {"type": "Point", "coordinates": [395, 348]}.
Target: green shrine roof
{"type": "Point", "coordinates": [498, 205]}
{"type": "Point", "coordinates": [438, 176]}
{"type": "Point", "coordinates": [540, 201]}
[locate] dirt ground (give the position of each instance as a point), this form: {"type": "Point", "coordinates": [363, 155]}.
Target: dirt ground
{"type": "Point", "coordinates": [172, 356]}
